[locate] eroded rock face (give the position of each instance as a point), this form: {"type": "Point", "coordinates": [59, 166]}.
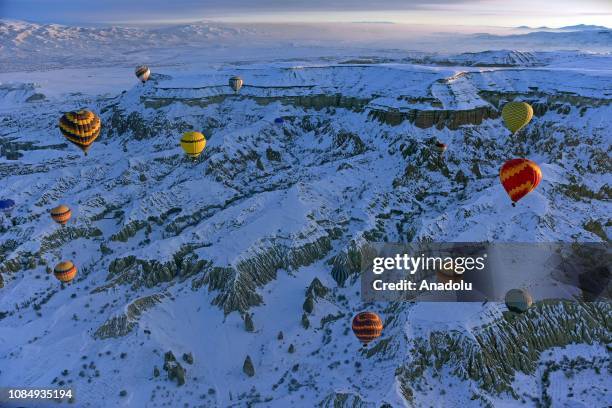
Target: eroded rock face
{"type": "Point", "coordinates": [149, 220]}
{"type": "Point", "coordinates": [238, 285]}
{"type": "Point", "coordinates": [123, 324]}
{"type": "Point", "coordinates": [174, 369]}
{"type": "Point", "coordinates": [317, 289]}
{"type": "Point", "coordinates": [248, 367]}
{"type": "Point", "coordinates": [36, 97]}
{"type": "Point", "coordinates": [345, 400]}
{"type": "Point", "coordinates": [440, 118]}
{"type": "Point", "coordinates": [491, 355]}
{"type": "Point", "coordinates": [148, 273]}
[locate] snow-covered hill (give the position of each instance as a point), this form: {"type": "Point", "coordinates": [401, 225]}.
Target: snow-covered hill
{"type": "Point", "coordinates": [250, 251]}
{"type": "Point", "coordinates": [54, 45]}
{"type": "Point", "coordinates": [47, 37]}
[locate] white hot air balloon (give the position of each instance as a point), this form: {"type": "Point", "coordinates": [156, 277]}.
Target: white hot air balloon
{"type": "Point", "coordinates": [143, 73]}
{"type": "Point", "coordinates": [236, 83]}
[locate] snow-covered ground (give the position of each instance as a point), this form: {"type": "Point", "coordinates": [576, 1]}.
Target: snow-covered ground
{"type": "Point", "coordinates": [176, 256]}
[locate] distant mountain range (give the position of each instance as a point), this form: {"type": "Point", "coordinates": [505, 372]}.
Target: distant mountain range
{"type": "Point", "coordinates": [578, 27]}
{"type": "Point", "coordinates": [25, 45]}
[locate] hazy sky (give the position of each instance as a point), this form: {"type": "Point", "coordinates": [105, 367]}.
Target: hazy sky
{"type": "Point", "coordinates": [553, 13]}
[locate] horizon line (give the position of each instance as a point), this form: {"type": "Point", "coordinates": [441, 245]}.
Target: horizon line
{"type": "Point", "coordinates": [178, 22]}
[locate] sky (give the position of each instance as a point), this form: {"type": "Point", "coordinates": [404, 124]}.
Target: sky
{"type": "Point", "coordinates": [501, 13]}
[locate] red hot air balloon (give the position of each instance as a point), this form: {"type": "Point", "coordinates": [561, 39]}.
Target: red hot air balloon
{"type": "Point", "coordinates": [441, 147]}
{"type": "Point", "coordinates": [519, 178]}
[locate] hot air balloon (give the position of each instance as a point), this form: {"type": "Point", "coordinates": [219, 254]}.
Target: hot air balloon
{"type": "Point", "coordinates": [441, 147]}
{"type": "Point", "coordinates": [81, 128]}
{"type": "Point", "coordinates": [143, 73]}
{"type": "Point", "coordinates": [448, 275]}
{"type": "Point", "coordinates": [65, 271]}
{"type": "Point", "coordinates": [7, 205]}
{"type": "Point", "coordinates": [516, 115]}
{"type": "Point", "coordinates": [279, 121]}
{"type": "Point", "coordinates": [518, 300]}
{"type": "Point", "coordinates": [236, 83]}
{"type": "Point", "coordinates": [61, 214]}
{"type": "Point", "coordinates": [193, 144]}
{"type": "Point", "coordinates": [367, 326]}
{"type": "Point", "coordinates": [519, 178]}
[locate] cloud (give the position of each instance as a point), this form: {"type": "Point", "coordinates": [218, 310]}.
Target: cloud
{"type": "Point", "coordinates": [99, 11]}
{"type": "Point", "coordinates": [123, 10]}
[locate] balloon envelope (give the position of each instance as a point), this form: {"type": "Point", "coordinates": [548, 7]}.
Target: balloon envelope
{"type": "Point", "coordinates": [61, 214]}
{"type": "Point", "coordinates": [518, 300]}
{"type": "Point", "coordinates": [367, 326]}
{"type": "Point", "coordinates": [81, 128]}
{"type": "Point", "coordinates": [143, 73]}
{"type": "Point", "coordinates": [520, 177]}
{"type": "Point", "coordinates": [516, 115]}
{"type": "Point", "coordinates": [236, 83]}
{"type": "Point", "coordinates": [441, 147]}
{"type": "Point", "coordinates": [65, 271]}
{"type": "Point", "coordinates": [193, 143]}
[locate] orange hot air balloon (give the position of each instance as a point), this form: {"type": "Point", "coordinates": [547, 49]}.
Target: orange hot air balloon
{"type": "Point", "coordinates": [61, 214]}
{"type": "Point", "coordinates": [65, 271]}
{"type": "Point", "coordinates": [519, 178]}
{"type": "Point", "coordinates": [367, 326]}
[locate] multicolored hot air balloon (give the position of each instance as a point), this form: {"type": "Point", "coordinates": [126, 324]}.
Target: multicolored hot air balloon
{"type": "Point", "coordinates": [81, 128]}
{"type": "Point", "coordinates": [367, 326]}
{"type": "Point", "coordinates": [61, 214]}
{"type": "Point", "coordinates": [441, 147]}
{"type": "Point", "coordinates": [518, 300]}
{"type": "Point", "coordinates": [65, 271]}
{"type": "Point", "coordinates": [516, 115]}
{"type": "Point", "coordinates": [193, 143]}
{"type": "Point", "coordinates": [519, 178]}
{"type": "Point", "coordinates": [7, 205]}
{"type": "Point", "coordinates": [236, 83]}
{"type": "Point", "coordinates": [143, 73]}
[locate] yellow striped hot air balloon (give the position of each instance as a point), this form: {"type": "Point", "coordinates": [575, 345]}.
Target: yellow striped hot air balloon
{"type": "Point", "coordinates": [516, 115]}
{"type": "Point", "coordinates": [193, 143]}
{"type": "Point", "coordinates": [65, 271]}
{"type": "Point", "coordinates": [61, 214]}
{"type": "Point", "coordinates": [367, 326]}
{"type": "Point", "coordinates": [81, 128]}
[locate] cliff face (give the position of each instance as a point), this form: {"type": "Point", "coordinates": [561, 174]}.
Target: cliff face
{"type": "Point", "coordinates": [317, 101]}
{"type": "Point", "coordinates": [238, 285]}
{"type": "Point", "coordinates": [440, 118]}
{"type": "Point", "coordinates": [122, 324]}
{"type": "Point", "coordinates": [493, 354]}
